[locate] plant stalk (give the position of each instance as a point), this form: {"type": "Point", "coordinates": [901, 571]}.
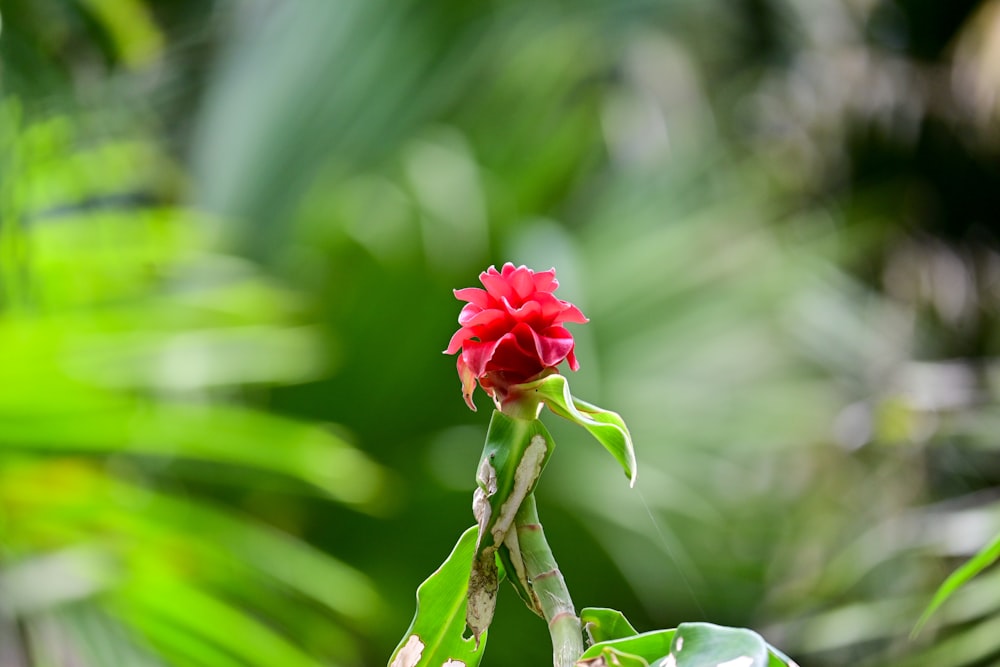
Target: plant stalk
{"type": "Point", "coordinates": [549, 586]}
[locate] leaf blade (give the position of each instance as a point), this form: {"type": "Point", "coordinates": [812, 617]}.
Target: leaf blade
{"type": "Point", "coordinates": [607, 427]}
{"type": "Point", "coordinates": [983, 559]}
{"type": "Point", "coordinates": [606, 624]}
{"type": "Point", "coordinates": [439, 622]}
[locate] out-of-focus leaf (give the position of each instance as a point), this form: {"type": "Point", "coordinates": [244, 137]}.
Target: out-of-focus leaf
{"type": "Point", "coordinates": [129, 25]}
{"type": "Point", "coordinates": [606, 624]}
{"type": "Point", "coordinates": [218, 434]}
{"type": "Point", "coordinates": [986, 557]}
{"type": "Point", "coordinates": [435, 635]}
{"type": "Point", "coordinates": [199, 358]}
{"type": "Point", "coordinates": [154, 600]}
{"type": "Point", "coordinates": [607, 426]}
{"type": "Point", "coordinates": [253, 567]}
{"type": "Point", "coordinates": [104, 641]}
{"type": "Point", "coordinates": [295, 564]}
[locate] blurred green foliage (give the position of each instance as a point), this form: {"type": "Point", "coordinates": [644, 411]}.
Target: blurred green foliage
{"type": "Point", "coordinates": [228, 235]}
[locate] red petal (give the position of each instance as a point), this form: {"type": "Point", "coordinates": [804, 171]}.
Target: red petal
{"type": "Point", "coordinates": [458, 340]}
{"type": "Point", "coordinates": [473, 295]}
{"type": "Point", "coordinates": [571, 314]}
{"type": "Point", "coordinates": [529, 312]}
{"type": "Point", "coordinates": [481, 318]}
{"type": "Point", "coordinates": [514, 358]}
{"type": "Point", "coordinates": [478, 354]}
{"type": "Point", "coordinates": [521, 282]}
{"type": "Point", "coordinates": [469, 311]}
{"type": "Point", "coordinates": [545, 281]}
{"type": "Point", "coordinates": [550, 305]}
{"type": "Point", "coordinates": [574, 365]}
{"type": "Point", "coordinates": [552, 347]}
{"type": "Point", "coordinates": [495, 284]}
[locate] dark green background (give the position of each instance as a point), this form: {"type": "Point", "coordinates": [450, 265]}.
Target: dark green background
{"type": "Point", "coordinates": [780, 217]}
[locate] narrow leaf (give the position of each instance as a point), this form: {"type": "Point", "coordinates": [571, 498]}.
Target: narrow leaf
{"type": "Point", "coordinates": [606, 624]}
{"type": "Point", "coordinates": [158, 600]}
{"type": "Point", "coordinates": [607, 426]}
{"type": "Point", "coordinates": [986, 557]}
{"type": "Point", "coordinates": [435, 637]}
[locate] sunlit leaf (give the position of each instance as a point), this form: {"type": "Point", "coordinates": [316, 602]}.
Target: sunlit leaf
{"type": "Point", "coordinates": [607, 426]}
{"type": "Point", "coordinates": [296, 564]}
{"type": "Point", "coordinates": [153, 602]}
{"type": "Point", "coordinates": [217, 434]}
{"type": "Point", "coordinates": [435, 635]}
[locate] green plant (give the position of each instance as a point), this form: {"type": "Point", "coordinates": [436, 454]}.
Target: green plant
{"type": "Point", "coordinates": [128, 438]}
{"type": "Point", "coordinates": [511, 341]}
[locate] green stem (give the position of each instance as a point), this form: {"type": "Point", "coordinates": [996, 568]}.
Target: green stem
{"type": "Point", "coordinates": [549, 585]}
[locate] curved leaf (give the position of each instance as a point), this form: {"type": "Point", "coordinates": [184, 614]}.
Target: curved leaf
{"type": "Point", "coordinates": [607, 426]}
{"type": "Point", "coordinates": [606, 624]}
{"type": "Point", "coordinates": [648, 646]}
{"type": "Point", "coordinates": [435, 637]}
{"type": "Point", "coordinates": [709, 645]}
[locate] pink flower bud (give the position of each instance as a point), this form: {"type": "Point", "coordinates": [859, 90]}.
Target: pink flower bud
{"type": "Point", "coordinates": [511, 331]}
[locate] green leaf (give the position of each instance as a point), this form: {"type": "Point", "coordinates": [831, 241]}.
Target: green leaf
{"type": "Point", "coordinates": [435, 636]}
{"type": "Point", "coordinates": [519, 581]}
{"type": "Point", "coordinates": [606, 624]}
{"type": "Point", "coordinates": [648, 646]}
{"type": "Point", "coordinates": [690, 645]}
{"type": "Point", "coordinates": [217, 434]}
{"type": "Point", "coordinates": [709, 645]}
{"type": "Point", "coordinates": [986, 557]}
{"type": "Point", "coordinates": [776, 658]}
{"type": "Point", "coordinates": [612, 656]}
{"type": "Point", "coordinates": [513, 458]}
{"type": "Point", "coordinates": [157, 600]}
{"type": "Point", "coordinates": [607, 426]}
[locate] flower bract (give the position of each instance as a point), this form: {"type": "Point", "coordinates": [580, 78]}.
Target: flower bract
{"type": "Point", "coordinates": [512, 330]}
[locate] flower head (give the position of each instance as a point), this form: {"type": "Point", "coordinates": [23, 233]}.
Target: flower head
{"type": "Point", "coordinates": [511, 331]}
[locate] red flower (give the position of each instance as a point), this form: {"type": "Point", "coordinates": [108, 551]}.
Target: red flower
{"type": "Point", "coordinates": [511, 331]}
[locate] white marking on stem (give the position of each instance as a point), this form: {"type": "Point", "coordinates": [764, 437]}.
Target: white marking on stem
{"type": "Point", "coordinates": [680, 644]}
{"type": "Point", "coordinates": [528, 470]}
{"type": "Point", "coordinates": [453, 663]}
{"type": "Point", "coordinates": [487, 486]}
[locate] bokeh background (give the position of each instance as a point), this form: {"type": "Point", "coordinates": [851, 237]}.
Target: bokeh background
{"type": "Point", "coordinates": [229, 231]}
